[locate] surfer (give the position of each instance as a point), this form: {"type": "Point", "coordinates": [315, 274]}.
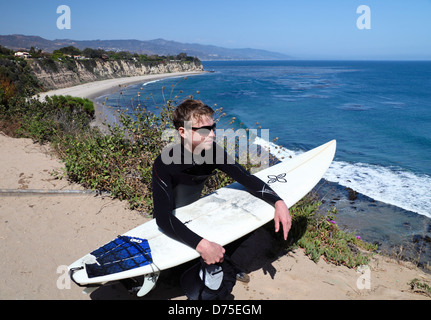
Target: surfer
{"type": "Point", "coordinates": [180, 181]}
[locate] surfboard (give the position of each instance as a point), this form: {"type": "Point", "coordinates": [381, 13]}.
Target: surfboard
{"type": "Point", "coordinates": [222, 217]}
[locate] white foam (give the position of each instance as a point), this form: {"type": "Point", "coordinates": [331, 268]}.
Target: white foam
{"type": "Point", "coordinates": [151, 82]}
{"type": "Point", "coordinates": [162, 79]}
{"type": "Point", "coordinates": [401, 188]}
{"type": "Point", "coordinates": [278, 151]}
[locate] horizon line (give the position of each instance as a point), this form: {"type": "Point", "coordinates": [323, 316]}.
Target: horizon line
{"type": "Point", "coordinates": [291, 58]}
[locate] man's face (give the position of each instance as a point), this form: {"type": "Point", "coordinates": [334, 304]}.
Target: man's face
{"type": "Point", "coordinates": [200, 135]}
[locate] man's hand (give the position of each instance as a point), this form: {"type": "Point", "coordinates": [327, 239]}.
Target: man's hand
{"type": "Point", "coordinates": [282, 216]}
{"type": "Point", "coordinates": [210, 252]}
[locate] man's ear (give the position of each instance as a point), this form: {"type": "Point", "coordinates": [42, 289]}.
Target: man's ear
{"type": "Point", "coordinates": [182, 132]}
{"type": "Point", "coordinates": [185, 131]}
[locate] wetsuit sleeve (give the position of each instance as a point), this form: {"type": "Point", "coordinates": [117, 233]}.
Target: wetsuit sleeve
{"type": "Point", "coordinates": [253, 184]}
{"type": "Point", "coordinates": [163, 202]}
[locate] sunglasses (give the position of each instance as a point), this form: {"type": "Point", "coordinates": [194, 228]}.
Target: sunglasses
{"type": "Point", "coordinates": [206, 128]}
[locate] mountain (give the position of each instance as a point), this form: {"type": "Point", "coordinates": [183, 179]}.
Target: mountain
{"type": "Point", "coordinates": [158, 46]}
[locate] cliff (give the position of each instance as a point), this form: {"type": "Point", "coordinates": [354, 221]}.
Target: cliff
{"type": "Point", "coordinates": [56, 75]}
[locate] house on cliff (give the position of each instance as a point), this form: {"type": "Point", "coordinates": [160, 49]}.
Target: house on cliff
{"type": "Point", "coordinates": [22, 54]}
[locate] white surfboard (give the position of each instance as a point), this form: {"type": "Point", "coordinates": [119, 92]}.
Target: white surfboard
{"type": "Point", "coordinates": [222, 217]}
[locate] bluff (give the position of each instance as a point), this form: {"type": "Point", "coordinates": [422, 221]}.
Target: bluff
{"type": "Point", "coordinates": [56, 74]}
{"type": "Point", "coordinates": [159, 47]}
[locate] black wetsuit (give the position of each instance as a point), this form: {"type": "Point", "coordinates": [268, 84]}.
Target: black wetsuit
{"type": "Point", "coordinates": [180, 183]}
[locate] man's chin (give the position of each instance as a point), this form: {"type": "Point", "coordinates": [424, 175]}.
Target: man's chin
{"type": "Point", "coordinates": [205, 146]}
{"type": "Point", "coordinates": [208, 144]}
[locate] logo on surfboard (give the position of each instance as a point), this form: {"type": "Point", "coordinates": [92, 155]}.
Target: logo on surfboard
{"type": "Point", "coordinates": [277, 178]}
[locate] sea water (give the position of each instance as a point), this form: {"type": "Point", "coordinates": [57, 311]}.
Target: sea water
{"type": "Point", "coordinates": [378, 111]}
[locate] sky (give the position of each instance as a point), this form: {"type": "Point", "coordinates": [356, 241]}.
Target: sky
{"type": "Point", "coordinates": [303, 29]}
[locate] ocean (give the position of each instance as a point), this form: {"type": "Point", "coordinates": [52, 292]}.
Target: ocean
{"type": "Point", "coordinates": [378, 111]}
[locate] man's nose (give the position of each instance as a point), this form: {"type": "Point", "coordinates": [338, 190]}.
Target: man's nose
{"type": "Point", "coordinates": [212, 133]}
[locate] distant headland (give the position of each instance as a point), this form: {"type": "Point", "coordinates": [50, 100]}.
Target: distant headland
{"type": "Point", "coordinates": [159, 47]}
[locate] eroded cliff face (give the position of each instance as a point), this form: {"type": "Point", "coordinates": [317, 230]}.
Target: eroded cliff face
{"type": "Point", "coordinates": [61, 75]}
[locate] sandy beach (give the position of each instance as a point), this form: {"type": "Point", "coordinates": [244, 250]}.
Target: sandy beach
{"type": "Point", "coordinates": [96, 89]}
{"type": "Point", "coordinates": [40, 234]}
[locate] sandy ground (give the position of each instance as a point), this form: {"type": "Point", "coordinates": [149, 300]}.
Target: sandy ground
{"type": "Point", "coordinates": [95, 89]}
{"type": "Point", "coordinates": [41, 234]}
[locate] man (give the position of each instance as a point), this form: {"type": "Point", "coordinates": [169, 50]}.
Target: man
{"type": "Point", "coordinates": [180, 182]}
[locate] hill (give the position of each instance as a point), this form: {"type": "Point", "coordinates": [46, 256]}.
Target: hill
{"type": "Point", "coordinates": [149, 47]}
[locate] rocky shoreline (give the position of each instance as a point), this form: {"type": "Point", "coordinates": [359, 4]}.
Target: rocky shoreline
{"type": "Point", "coordinates": [397, 232]}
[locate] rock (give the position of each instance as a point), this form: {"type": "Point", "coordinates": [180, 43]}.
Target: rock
{"type": "Point", "coordinates": [64, 77]}
{"type": "Point", "coordinates": [353, 195]}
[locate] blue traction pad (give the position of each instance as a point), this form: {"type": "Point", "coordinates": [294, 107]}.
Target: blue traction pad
{"type": "Point", "coordinates": [121, 254]}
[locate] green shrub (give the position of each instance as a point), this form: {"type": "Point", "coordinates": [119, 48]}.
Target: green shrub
{"type": "Point", "coordinates": [324, 239]}
{"type": "Point", "coordinates": [119, 162]}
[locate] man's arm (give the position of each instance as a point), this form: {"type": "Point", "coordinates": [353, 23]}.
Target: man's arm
{"type": "Point", "coordinates": [282, 216]}
{"type": "Point", "coordinates": [210, 252]}
{"type": "Point", "coordinates": [163, 202]}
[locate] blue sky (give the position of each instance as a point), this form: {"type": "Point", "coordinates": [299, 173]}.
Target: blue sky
{"type": "Point", "coordinates": [304, 29]}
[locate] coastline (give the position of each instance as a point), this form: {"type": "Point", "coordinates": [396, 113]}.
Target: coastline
{"type": "Point", "coordinates": [397, 232]}
{"type": "Point", "coordinates": [93, 90]}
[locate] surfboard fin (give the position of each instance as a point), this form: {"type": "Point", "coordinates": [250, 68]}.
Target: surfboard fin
{"type": "Point", "coordinates": [89, 290]}
{"type": "Point", "coordinates": [149, 283]}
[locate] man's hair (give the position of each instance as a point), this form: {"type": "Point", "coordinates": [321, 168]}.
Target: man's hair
{"type": "Point", "coordinates": [190, 109]}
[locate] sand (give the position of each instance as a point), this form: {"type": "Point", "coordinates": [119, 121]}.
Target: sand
{"type": "Point", "coordinates": [40, 234]}
{"type": "Point", "coordinates": [95, 89]}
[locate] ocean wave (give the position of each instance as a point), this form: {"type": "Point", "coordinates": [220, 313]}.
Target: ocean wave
{"type": "Point", "coordinates": [354, 107]}
{"type": "Point", "coordinates": [404, 189]}
{"type": "Point", "coordinates": [401, 188]}
{"type": "Point", "coordinates": [395, 104]}
{"type": "Point", "coordinates": [149, 82]}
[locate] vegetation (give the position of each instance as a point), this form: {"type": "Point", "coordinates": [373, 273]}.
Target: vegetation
{"type": "Point", "coordinates": [323, 238]}
{"type": "Point", "coordinates": [47, 121]}
{"type": "Point", "coordinates": [16, 79]}
{"type": "Point", "coordinates": [120, 161]}
{"type": "Point", "coordinates": [421, 287]}
{"type": "Point", "coordinates": [319, 236]}
{"type": "Point", "coordinates": [127, 56]}
{"type": "Point", "coordinates": [68, 54]}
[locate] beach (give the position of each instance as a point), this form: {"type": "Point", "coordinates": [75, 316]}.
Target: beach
{"type": "Point", "coordinates": [41, 234]}
{"type": "Point", "coordinates": [96, 89]}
